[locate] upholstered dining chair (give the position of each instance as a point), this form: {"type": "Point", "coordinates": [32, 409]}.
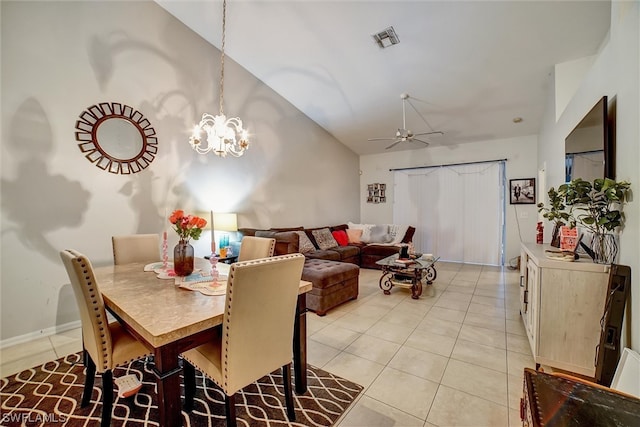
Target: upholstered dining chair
{"type": "Point", "coordinates": [106, 345]}
{"type": "Point", "coordinates": [256, 334]}
{"type": "Point", "coordinates": [136, 248]}
{"type": "Point", "coordinates": [256, 247]}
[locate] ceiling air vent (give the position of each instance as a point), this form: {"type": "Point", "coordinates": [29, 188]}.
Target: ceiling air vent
{"type": "Point", "coordinates": [386, 37]}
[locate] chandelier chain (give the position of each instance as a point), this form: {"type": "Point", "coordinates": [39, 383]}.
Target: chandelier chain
{"type": "Point", "coordinates": [224, 28]}
{"type": "Point", "coordinates": [224, 135]}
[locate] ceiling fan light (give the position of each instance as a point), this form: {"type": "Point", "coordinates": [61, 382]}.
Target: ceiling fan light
{"type": "Point", "coordinates": [405, 135]}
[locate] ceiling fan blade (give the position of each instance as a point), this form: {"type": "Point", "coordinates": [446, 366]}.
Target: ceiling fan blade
{"type": "Point", "coordinates": [437, 132]}
{"type": "Point", "coordinates": [394, 144]}
{"type": "Point", "coordinates": [403, 134]}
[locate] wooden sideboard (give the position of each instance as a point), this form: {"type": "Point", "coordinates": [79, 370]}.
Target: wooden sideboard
{"type": "Point", "coordinates": [561, 304]}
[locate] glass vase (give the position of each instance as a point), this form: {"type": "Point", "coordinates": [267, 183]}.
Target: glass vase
{"type": "Point", "coordinates": [183, 258]}
{"type": "Point", "coordinates": [604, 247]}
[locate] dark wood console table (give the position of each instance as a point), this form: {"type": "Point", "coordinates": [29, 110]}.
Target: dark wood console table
{"type": "Point", "coordinates": [552, 400]}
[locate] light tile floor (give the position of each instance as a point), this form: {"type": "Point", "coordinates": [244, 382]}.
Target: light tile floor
{"type": "Point", "coordinates": [454, 357]}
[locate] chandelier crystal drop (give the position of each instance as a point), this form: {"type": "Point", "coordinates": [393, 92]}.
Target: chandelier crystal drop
{"type": "Point", "coordinates": [223, 135]}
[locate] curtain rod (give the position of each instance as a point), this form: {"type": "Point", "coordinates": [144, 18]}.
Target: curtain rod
{"type": "Point", "coordinates": [450, 164]}
{"type": "Point", "coordinates": [586, 152]}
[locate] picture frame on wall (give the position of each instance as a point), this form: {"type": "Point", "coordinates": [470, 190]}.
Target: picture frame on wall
{"type": "Point", "coordinates": [376, 193]}
{"type": "Point", "coordinates": [522, 191]}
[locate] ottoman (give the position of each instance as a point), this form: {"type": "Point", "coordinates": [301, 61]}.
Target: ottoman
{"type": "Point", "coordinates": [333, 283]}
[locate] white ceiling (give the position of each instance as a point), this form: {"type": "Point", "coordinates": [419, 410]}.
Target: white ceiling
{"type": "Point", "coordinates": [469, 67]}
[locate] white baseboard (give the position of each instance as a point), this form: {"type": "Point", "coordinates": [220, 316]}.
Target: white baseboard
{"type": "Point", "coordinates": [39, 334]}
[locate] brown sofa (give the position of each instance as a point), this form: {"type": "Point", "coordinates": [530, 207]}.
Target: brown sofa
{"type": "Point", "coordinates": [333, 282]}
{"type": "Point", "coordinates": [334, 272]}
{"type": "Point", "coordinates": [362, 254]}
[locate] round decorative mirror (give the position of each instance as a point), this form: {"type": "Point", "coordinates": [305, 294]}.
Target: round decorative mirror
{"type": "Point", "coordinates": [116, 138]}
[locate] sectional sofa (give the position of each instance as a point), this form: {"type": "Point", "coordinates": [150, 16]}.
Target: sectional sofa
{"type": "Point", "coordinates": [334, 256]}
{"type": "Point", "coordinates": [363, 252]}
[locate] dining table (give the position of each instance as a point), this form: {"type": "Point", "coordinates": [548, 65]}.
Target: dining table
{"type": "Point", "coordinates": [170, 320]}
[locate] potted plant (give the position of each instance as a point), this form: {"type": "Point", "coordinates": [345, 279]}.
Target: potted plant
{"type": "Point", "coordinates": [597, 206]}
{"type": "Point", "coordinates": [555, 213]}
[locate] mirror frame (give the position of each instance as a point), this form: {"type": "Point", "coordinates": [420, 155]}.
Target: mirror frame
{"type": "Point", "coordinates": [607, 115]}
{"type": "Point", "coordinates": [87, 128]}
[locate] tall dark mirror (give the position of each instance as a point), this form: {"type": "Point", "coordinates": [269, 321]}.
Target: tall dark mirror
{"type": "Point", "coordinates": [589, 148]}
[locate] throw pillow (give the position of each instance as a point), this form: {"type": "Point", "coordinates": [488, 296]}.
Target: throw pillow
{"type": "Point", "coordinates": [398, 232]}
{"type": "Point", "coordinates": [366, 233]}
{"type": "Point", "coordinates": [380, 234]}
{"type": "Point", "coordinates": [359, 226]}
{"type": "Point", "coordinates": [354, 235]}
{"type": "Point", "coordinates": [304, 244]}
{"type": "Point", "coordinates": [341, 237]}
{"type": "Point", "coordinates": [324, 238]}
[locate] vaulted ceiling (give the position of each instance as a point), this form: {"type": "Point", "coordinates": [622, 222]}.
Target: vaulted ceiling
{"type": "Point", "coordinates": [470, 67]}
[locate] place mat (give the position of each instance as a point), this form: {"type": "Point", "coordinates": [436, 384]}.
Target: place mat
{"type": "Point", "coordinates": [168, 274]}
{"type": "Point", "coordinates": [171, 274]}
{"type": "Point", "coordinates": [54, 390]}
{"type": "Point", "coordinates": [204, 284]}
{"type": "Point", "coordinates": [157, 266]}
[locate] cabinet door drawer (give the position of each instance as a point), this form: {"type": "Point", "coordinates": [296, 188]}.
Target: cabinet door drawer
{"type": "Point", "coordinates": [572, 304]}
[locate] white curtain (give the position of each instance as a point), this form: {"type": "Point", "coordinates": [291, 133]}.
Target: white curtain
{"type": "Point", "coordinates": [458, 211]}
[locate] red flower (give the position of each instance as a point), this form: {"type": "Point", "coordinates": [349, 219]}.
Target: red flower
{"type": "Point", "coordinates": [177, 214]}
{"type": "Point", "coordinates": [187, 226]}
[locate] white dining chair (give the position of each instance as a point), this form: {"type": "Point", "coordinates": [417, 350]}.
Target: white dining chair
{"type": "Point", "coordinates": [253, 247]}
{"type": "Point", "coordinates": [143, 248]}
{"type": "Point", "coordinates": [256, 334]}
{"type": "Point", "coordinates": [106, 345]}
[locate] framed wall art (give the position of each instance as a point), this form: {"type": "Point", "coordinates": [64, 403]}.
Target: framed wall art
{"type": "Point", "coordinates": [522, 191]}
{"type": "Point", "coordinates": [376, 193]}
{"type": "Point", "coordinates": [116, 138]}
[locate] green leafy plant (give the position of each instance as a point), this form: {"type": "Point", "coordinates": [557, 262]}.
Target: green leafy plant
{"type": "Point", "coordinates": [597, 206]}
{"type": "Point", "coordinates": [555, 212]}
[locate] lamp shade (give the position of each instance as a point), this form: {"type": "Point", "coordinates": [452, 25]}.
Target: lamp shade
{"type": "Point", "coordinates": [225, 221]}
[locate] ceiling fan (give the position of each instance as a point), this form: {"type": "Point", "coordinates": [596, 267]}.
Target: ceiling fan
{"type": "Point", "coordinates": [403, 134]}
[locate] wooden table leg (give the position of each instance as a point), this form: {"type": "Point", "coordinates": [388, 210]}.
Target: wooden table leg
{"type": "Point", "coordinates": [416, 285]}
{"type": "Point", "coordinates": [167, 372]}
{"type": "Point", "coordinates": [300, 345]}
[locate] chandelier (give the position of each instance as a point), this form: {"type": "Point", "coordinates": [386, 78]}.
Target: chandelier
{"type": "Point", "coordinates": [224, 135]}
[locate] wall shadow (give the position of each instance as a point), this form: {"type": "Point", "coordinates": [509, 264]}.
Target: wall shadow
{"type": "Point", "coordinates": [36, 201]}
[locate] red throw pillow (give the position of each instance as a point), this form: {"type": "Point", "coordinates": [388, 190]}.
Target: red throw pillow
{"type": "Point", "coordinates": [341, 237]}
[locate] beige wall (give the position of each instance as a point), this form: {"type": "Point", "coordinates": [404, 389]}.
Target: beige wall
{"type": "Point", "coordinates": [59, 58]}
{"type": "Point", "coordinates": [615, 73]}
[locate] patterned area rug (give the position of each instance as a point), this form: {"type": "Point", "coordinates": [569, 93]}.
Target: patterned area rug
{"type": "Point", "coordinates": [49, 395]}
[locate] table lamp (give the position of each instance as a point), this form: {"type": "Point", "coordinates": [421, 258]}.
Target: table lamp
{"type": "Point", "coordinates": [225, 222]}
